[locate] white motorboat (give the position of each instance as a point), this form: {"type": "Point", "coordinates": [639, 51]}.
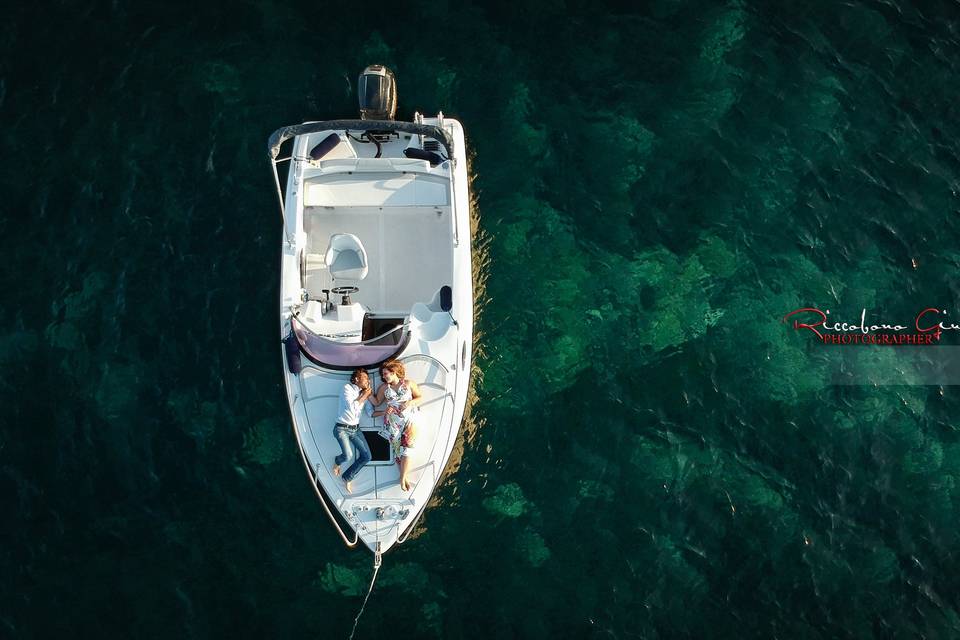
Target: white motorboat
{"type": "Point", "coordinates": [376, 265]}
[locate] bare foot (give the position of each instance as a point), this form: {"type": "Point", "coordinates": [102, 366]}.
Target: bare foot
{"type": "Point", "coordinates": [336, 471]}
{"type": "Point", "coordinates": [347, 486]}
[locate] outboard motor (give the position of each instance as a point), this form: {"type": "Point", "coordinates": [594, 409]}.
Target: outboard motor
{"type": "Point", "coordinates": [377, 91]}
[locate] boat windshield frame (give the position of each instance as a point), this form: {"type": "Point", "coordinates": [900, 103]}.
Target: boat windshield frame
{"type": "Point", "coordinates": [346, 356]}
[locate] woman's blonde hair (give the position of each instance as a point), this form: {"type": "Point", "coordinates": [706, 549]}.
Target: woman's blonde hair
{"type": "Point", "coordinates": [395, 367]}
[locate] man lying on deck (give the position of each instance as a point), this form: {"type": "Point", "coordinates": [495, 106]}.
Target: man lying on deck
{"type": "Point", "coordinates": [347, 428]}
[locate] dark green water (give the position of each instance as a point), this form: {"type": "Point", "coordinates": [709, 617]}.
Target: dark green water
{"type": "Point", "coordinates": [652, 454]}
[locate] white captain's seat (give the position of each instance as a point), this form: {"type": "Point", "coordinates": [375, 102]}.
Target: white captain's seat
{"type": "Point", "coordinates": [346, 259]}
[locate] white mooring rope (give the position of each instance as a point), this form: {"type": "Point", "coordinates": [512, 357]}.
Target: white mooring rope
{"type": "Point", "coordinates": [376, 569]}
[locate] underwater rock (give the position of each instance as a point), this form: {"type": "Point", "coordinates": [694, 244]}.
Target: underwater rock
{"type": "Point", "coordinates": [924, 458]}
{"type": "Point", "coordinates": [753, 490]}
{"type": "Point", "coordinates": [431, 617]}
{"type": "Point", "coordinates": [614, 174]}
{"type": "Point", "coordinates": [263, 443]}
{"type": "Point", "coordinates": [198, 422]}
{"type": "Point", "coordinates": [679, 585]}
{"type": "Point", "coordinates": [724, 34]}
{"type": "Point", "coordinates": [843, 421]}
{"type": "Point", "coordinates": [222, 79]}
{"type": "Point", "coordinates": [656, 463]}
{"type": "Point", "coordinates": [446, 85]}
{"type": "Point", "coordinates": [555, 274]}
{"type": "Point", "coordinates": [520, 105]}
{"type": "Point", "coordinates": [507, 500]}
{"type": "Point", "coordinates": [337, 578]}
{"type": "Point", "coordinates": [64, 335]}
{"type": "Point", "coordinates": [766, 353]}
{"type": "Point", "coordinates": [880, 566]}
{"type": "Point", "coordinates": [533, 548]}
{"type": "Point", "coordinates": [716, 257]}
{"type": "Point", "coordinates": [116, 395]}
{"type": "Point", "coordinates": [408, 576]}
{"type": "Point", "coordinates": [594, 490]}
{"type": "Point", "coordinates": [81, 303]}
{"type": "Point", "coordinates": [376, 51]}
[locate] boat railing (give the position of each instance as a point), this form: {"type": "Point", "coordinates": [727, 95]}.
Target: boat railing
{"type": "Point", "coordinates": [453, 200]}
{"type": "Point", "coordinates": [343, 536]}
{"type": "Point", "coordinates": [283, 134]}
{"type": "Point", "coordinates": [315, 478]}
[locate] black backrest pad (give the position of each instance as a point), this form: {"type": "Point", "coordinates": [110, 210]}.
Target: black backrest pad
{"type": "Point", "coordinates": [446, 298]}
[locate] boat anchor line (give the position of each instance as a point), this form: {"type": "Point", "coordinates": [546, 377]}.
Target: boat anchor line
{"type": "Point", "coordinates": [377, 561]}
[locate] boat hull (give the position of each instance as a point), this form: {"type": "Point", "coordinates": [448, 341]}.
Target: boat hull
{"type": "Point", "coordinates": [435, 203]}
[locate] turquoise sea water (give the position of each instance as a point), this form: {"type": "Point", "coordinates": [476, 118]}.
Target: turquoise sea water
{"type": "Point", "coordinates": [652, 453]}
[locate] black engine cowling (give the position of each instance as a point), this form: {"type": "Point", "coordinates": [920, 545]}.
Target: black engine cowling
{"type": "Point", "coordinates": [377, 92]}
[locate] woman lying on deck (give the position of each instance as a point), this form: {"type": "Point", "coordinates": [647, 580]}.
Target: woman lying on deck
{"type": "Point", "coordinates": [402, 397]}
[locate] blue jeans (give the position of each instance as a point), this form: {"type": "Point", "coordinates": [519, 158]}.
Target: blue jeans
{"type": "Point", "coordinates": [353, 445]}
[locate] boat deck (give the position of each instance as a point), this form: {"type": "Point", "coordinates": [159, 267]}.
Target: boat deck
{"type": "Point", "coordinates": [378, 483]}
{"type": "Point", "coordinates": [390, 236]}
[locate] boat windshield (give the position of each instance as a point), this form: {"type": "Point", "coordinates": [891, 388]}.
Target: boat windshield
{"type": "Point", "coordinates": [346, 355]}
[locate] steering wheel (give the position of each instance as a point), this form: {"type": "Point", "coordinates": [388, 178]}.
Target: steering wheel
{"type": "Point", "coordinates": [344, 292]}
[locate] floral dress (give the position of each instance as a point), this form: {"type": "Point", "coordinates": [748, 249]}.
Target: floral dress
{"type": "Point", "coordinates": [395, 424]}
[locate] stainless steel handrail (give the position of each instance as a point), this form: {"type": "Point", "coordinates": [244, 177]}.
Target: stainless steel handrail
{"type": "Point", "coordinates": [314, 478]}
{"type": "Point", "coordinates": [283, 134]}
